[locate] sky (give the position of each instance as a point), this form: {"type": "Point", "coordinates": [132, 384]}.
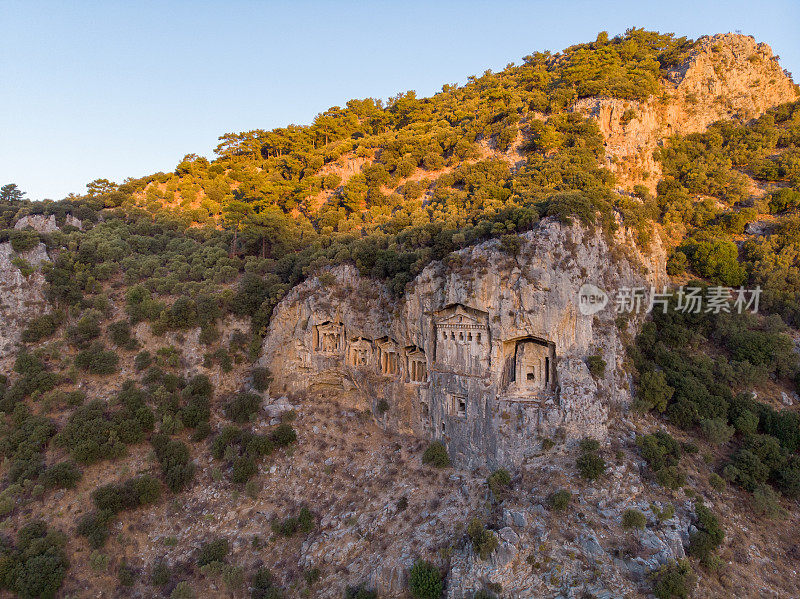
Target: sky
{"type": "Point", "coordinates": [123, 89]}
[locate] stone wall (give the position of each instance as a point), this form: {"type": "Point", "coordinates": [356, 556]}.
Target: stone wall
{"type": "Point", "coordinates": [486, 353]}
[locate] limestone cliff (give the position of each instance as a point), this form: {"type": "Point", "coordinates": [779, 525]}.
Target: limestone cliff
{"type": "Point", "coordinates": [486, 352]}
{"type": "Point", "coordinates": [727, 76]}
{"type": "Point", "coordinates": [21, 296]}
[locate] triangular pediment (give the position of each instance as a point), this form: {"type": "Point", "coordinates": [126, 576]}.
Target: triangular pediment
{"type": "Point", "coordinates": [459, 315]}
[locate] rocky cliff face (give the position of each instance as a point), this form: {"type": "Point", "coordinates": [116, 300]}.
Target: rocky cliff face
{"type": "Point", "coordinates": [486, 353]}
{"type": "Point", "coordinates": [727, 77]}
{"type": "Point", "coordinates": [21, 296]}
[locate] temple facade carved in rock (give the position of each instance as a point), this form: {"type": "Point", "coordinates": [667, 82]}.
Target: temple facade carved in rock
{"type": "Point", "coordinates": [489, 357]}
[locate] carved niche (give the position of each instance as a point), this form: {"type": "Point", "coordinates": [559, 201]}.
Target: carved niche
{"type": "Point", "coordinates": [416, 365]}
{"type": "Point", "coordinates": [359, 352]}
{"type": "Point", "coordinates": [329, 338]}
{"type": "Point", "coordinates": [388, 353]}
{"type": "Point", "coordinates": [456, 404]}
{"type": "Point", "coordinates": [462, 339]}
{"type": "Point", "coordinates": [529, 366]}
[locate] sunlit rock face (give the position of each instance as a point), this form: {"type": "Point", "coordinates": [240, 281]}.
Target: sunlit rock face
{"type": "Point", "coordinates": [727, 76]}
{"type": "Point", "coordinates": [486, 353]}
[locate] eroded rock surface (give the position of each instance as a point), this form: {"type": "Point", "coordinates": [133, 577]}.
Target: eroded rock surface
{"type": "Point", "coordinates": [21, 297]}
{"type": "Point", "coordinates": [727, 76]}
{"type": "Point", "coordinates": [487, 353]}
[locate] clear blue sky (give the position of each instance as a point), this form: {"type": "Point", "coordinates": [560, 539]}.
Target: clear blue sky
{"type": "Point", "coordinates": [116, 89]}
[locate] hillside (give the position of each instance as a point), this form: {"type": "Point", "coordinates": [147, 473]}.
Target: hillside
{"type": "Point", "coordinates": [350, 358]}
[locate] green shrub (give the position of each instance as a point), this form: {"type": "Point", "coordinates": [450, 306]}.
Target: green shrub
{"type": "Point", "coordinates": [653, 392]}
{"type": "Point", "coordinates": [634, 519]}
{"type": "Point", "coordinates": [64, 475]}
{"type": "Point", "coordinates": [94, 526]}
{"type": "Point", "coordinates": [86, 329]}
{"type": "Point", "coordinates": [23, 240]}
{"type": "Point", "coordinates": [213, 551]}
{"type": "Point", "coordinates": [670, 477]}
{"type": "Point", "coordinates": [597, 366]}
{"type": "Point", "coordinates": [209, 334]}
{"type": "Point", "coordinates": [425, 581]}
{"type": "Point", "coordinates": [286, 527]}
{"type": "Point", "coordinates": [483, 541]}
{"type": "Point", "coordinates": [283, 435]}
{"type": "Point", "coordinates": [787, 477]}
{"type": "Point", "coordinates": [716, 481]}
{"type": "Point", "coordinates": [359, 592]}
{"type": "Point", "coordinates": [126, 575]}
{"type": "Point", "coordinates": [35, 379]}
{"type": "Point", "coordinates": [142, 360]}
{"type": "Point", "coordinates": [662, 453]}
{"type": "Point", "coordinates": [183, 590]}
{"type": "Point", "coordinates": [160, 574]}
{"type": "Point", "coordinates": [175, 461]}
{"type": "Point", "coordinates": [140, 304]}
{"type": "Point", "coordinates": [202, 432]}
{"type": "Point", "coordinates": [675, 580]}
{"type": "Point", "coordinates": [589, 463]}
{"type": "Point", "coordinates": [559, 500]}
{"type": "Point", "coordinates": [134, 492]}
{"type": "Point", "coordinates": [23, 265]}
{"type": "Point", "coordinates": [42, 327]}
{"type": "Point", "coordinates": [121, 334]}
{"type": "Point", "coordinates": [766, 503]}
{"type": "Point", "coordinates": [305, 520]}
{"type": "Point", "coordinates": [183, 313]}
{"type": "Point", "coordinates": [746, 470]}
{"type": "Point", "coordinates": [716, 260]}
{"type": "Point", "coordinates": [662, 515]}
{"type": "Point", "coordinates": [627, 116]}
{"type": "Point", "coordinates": [717, 431]}
{"type": "Point", "coordinates": [499, 481]}
{"type": "Point", "coordinates": [244, 468]}
{"type": "Point", "coordinates": [436, 455]}
{"type": "Point", "coordinates": [36, 566]}
{"type": "Point", "coordinates": [169, 356]}
{"type": "Point", "coordinates": [382, 406]}
{"type": "Point", "coordinates": [263, 586]}
{"type": "Point", "coordinates": [677, 263]}
{"type": "Point", "coordinates": [228, 436]}
{"type": "Point", "coordinates": [511, 244]}
{"type": "Point", "coordinates": [97, 360]}
{"type": "Point", "coordinates": [242, 407]}
{"type": "Point", "coordinates": [709, 534]}
{"type": "Point", "coordinates": [261, 378]}
{"type": "Point", "coordinates": [98, 561]}
{"type": "Point", "coordinates": [91, 435]}
{"type": "Point", "coordinates": [746, 423]}
{"type": "Point", "coordinates": [196, 412]}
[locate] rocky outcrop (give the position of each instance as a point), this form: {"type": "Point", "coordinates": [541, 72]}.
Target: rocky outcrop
{"type": "Point", "coordinates": [529, 562]}
{"type": "Point", "coordinates": [21, 296]}
{"type": "Point", "coordinates": [726, 77]}
{"type": "Point", "coordinates": [46, 224]}
{"type": "Point", "coordinates": [38, 222]}
{"type": "Point", "coordinates": [487, 352]}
